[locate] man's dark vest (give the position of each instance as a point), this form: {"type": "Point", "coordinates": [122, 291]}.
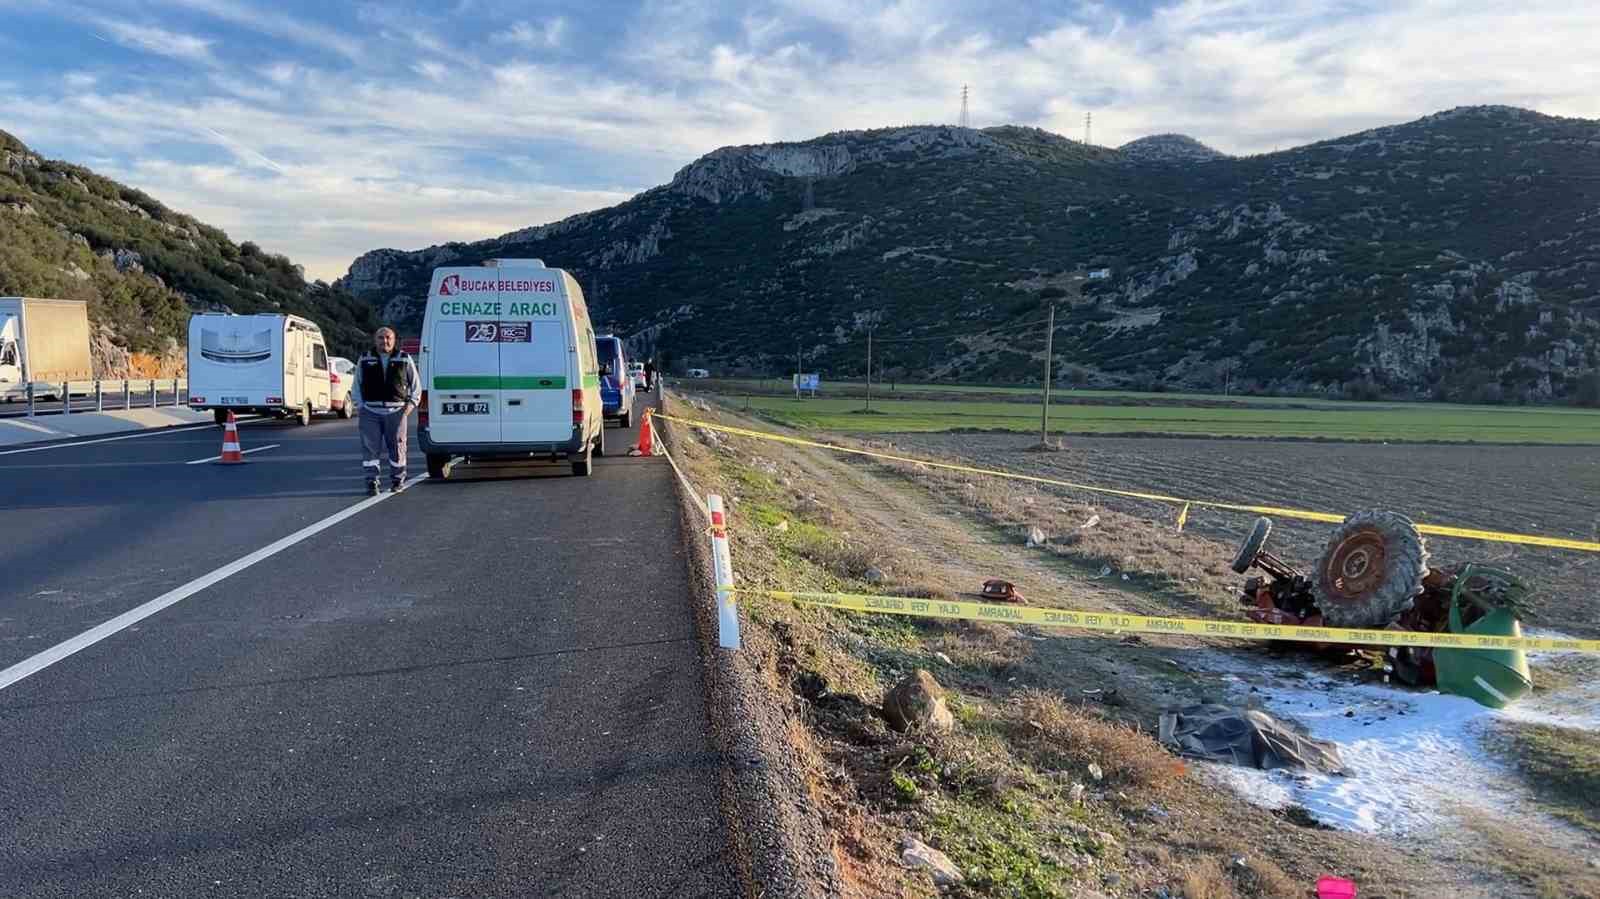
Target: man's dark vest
{"type": "Point", "coordinates": [378, 386]}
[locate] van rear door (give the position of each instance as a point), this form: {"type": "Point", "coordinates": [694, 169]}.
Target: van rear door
{"type": "Point", "coordinates": [536, 353]}
{"type": "Point", "coordinates": [464, 358]}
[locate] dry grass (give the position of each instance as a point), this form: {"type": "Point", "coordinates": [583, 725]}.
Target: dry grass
{"type": "Point", "coordinates": [1063, 737]}
{"type": "Point", "coordinates": [1550, 872]}
{"type": "Point", "coordinates": [1204, 879]}
{"type": "Point", "coordinates": [1189, 571]}
{"type": "Point", "coordinates": [1562, 765]}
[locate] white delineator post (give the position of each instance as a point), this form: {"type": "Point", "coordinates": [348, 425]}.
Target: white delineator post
{"type": "Point", "coordinates": [722, 562]}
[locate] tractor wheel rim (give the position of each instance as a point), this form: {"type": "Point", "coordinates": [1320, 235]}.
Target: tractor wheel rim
{"type": "Point", "coordinates": [1356, 567]}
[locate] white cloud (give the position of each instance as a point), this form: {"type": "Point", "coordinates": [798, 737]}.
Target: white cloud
{"type": "Point", "coordinates": [275, 24]}
{"type": "Point", "coordinates": [281, 72]}
{"type": "Point", "coordinates": [323, 219]}
{"type": "Point", "coordinates": [159, 41]}
{"type": "Point", "coordinates": [79, 80]}
{"type": "Point", "coordinates": [548, 34]}
{"type": "Point", "coordinates": [431, 70]}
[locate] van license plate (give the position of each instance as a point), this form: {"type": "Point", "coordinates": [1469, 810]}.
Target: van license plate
{"type": "Point", "coordinates": [465, 408]}
{"type": "Point", "coordinates": [234, 400]}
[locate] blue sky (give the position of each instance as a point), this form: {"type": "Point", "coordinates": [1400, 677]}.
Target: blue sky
{"type": "Point", "coordinates": [323, 130]}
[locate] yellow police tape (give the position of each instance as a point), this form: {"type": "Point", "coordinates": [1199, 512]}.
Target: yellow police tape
{"type": "Point", "coordinates": [1301, 514]}
{"type": "Point", "coordinates": [1146, 624]}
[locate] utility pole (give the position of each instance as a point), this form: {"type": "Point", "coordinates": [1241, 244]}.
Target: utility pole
{"type": "Point", "coordinates": [1049, 349]}
{"type": "Point", "coordinates": [1088, 119]}
{"type": "Point", "coordinates": [966, 122]}
{"type": "Point", "coordinates": [869, 369]}
{"type": "Point", "coordinates": [797, 366]}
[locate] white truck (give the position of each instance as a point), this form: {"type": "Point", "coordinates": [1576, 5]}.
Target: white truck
{"type": "Point", "coordinates": [266, 364]}
{"type": "Point", "coordinates": [42, 341]}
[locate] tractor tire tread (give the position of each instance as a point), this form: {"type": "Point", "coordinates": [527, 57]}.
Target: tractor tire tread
{"type": "Point", "coordinates": [1406, 564]}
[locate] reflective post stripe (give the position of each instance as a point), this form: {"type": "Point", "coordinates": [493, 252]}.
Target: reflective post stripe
{"type": "Point", "coordinates": [722, 563]}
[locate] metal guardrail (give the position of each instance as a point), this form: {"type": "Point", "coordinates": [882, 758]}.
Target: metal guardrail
{"type": "Point", "coordinates": [98, 396]}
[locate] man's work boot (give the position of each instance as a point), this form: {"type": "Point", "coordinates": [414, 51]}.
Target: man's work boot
{"type": "Point", "coordinates": [396, 485]}
{"type": "Point", "coordinates": [372, 488]}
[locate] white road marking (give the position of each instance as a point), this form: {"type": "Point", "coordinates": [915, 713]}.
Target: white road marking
{"type": "Point", "coordinates": [245, 453]}
{"type": "Point", "coordinates": [33, 427]}
{"type": "Point", "coordinates": [147, 433]}
{"type": "Point", "coordinates": [36, 663]}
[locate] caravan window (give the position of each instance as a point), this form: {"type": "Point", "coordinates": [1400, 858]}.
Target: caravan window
{"type": "Point", "coordinates": [319, 357]}
{"type": "Point", "coordinates": [8, 353]}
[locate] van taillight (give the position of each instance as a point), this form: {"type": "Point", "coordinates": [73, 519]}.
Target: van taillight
{"type": "Point", "coordinates": [333, 377]}
{"type": "Point", "coordinates": [422, 411]}
{"type": "Point", "coordinates": [577, 407]}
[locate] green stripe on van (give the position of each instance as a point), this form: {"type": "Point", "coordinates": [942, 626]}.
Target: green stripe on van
{"type": "Point", "coordinates": [499, 382]}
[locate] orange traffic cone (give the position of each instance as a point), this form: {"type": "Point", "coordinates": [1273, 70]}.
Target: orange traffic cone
{"type": "Point", "coordinates": [230, 442]}
{"type": "Point", "coordinates": [646, 438]}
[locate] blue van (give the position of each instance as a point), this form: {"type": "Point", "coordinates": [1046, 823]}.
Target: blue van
{"type": "Point", "coordinates": [616, 387]}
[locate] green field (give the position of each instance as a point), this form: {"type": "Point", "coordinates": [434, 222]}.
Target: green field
{"type": "Point", "coordinates": [857, 389]}
{"type": "Point", "coordinates": [1255, 417]}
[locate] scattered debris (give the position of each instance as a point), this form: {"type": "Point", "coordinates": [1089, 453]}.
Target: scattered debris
{"type": "Point", "coordinates": [944, 659]}
{"type": "Point", "coordinates": [873, 575]}
{"type": "Point", "coordinates": [1096, 772]}
{"type": "Point", "coordinates": [782, 527]}
{"type": "Point", "coordinates": [1105, 571]}
{"type": "Point", "coordinates": [1246, 737]}
{"type": "Point", "coordinates": [917, 703]}
{"type": "Point", "coordinates": [1036, 537]}
{"type": "Point", "coordinates": [997, 590]}
{"type": "Point", "coordinates": [1093, 520]}
{"type": "Point", "coordinates": [1076, 793]}
{"type": "Point", "coordinates": [917, 854]}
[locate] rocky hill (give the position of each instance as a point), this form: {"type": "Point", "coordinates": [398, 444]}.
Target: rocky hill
{"type": "Point", "coordinates": [67, 232]}
{"type": "Point", "coordinates": [1168, 148]}
{"type": "Point", "coordinates": [1457, 256]}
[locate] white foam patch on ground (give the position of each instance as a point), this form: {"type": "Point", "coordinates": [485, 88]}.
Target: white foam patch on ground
{"type": "Point", "coordinates": [1412, 758]}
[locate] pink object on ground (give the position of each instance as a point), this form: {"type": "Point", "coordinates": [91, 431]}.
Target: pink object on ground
{"type": "Point", "coordinates": [1335, 888]}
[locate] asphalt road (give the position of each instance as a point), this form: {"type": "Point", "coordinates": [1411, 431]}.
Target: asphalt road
{"type": "Point", "coordinates": [486, 686]}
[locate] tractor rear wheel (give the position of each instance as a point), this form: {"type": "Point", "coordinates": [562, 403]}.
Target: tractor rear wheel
{"type": "Point", "coordinates": [1371, 570]}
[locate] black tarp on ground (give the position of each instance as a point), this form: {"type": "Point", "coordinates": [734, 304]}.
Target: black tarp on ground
{"type": "Point", "coordinates": [1246, 737]}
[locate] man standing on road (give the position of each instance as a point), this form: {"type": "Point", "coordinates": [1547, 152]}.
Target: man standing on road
{"type": "Point", "coordinates": [650, 374]}
{"type": "Point", "coordinates": [387, 388]}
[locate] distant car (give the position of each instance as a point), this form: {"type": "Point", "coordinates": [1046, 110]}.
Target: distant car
{"type": "Point", "coordinates": [341, 378]}
{"type": "Point", "coordinates": [699, 373]}
{"type": "Point", "coordinates": [616, 387]}
{"type": "Point", "coordinates": [636, 372]}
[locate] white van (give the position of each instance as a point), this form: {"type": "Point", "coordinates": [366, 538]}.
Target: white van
{"type": "Point", "coordinates": [508, 367]}
{"type": "Point", "coordinates": [272, 364]}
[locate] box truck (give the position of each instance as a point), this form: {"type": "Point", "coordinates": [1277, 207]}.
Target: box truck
{"type": "Point", "coordinates": [266, 364]}
{"type": "Point", "coordinates": [44, 341]}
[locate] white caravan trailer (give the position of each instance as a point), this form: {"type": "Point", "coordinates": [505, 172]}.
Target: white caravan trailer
{"type": "Point", "coordinates": [271, 364]}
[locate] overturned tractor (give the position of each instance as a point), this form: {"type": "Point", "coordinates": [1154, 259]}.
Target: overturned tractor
{"type": "Point", "coordinates": [1374, 574]}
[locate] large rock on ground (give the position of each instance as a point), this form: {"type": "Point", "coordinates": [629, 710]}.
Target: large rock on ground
{"type": "Point", "coordinates": [917, 703]}
{"type": "Point", "coordinates": [917, 854]}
